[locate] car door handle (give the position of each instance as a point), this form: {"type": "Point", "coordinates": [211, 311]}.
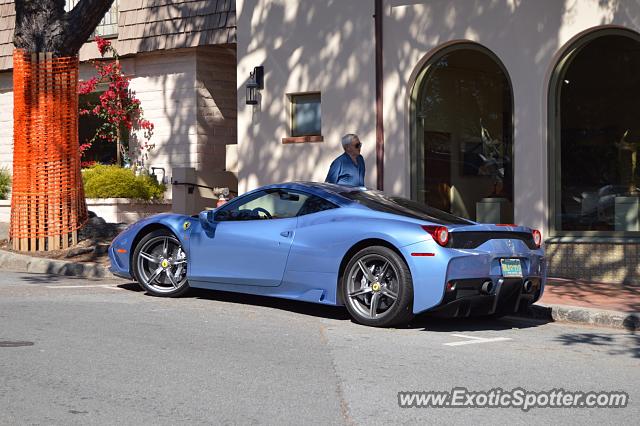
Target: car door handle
{"type": "Point", "coordinates": [286, 234]}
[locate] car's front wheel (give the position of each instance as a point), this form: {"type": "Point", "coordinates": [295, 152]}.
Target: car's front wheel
{"type": "Point", "coordinates": [160, 264]}
{"type": "Point", "coordinates": [377, 288]}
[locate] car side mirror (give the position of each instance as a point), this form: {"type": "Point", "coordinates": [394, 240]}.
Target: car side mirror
{"type": "Point", "coordinates": [206, 219]}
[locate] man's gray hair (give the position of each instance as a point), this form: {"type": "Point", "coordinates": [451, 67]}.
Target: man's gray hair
{"type": "Point", "coordinates": [346, 139]}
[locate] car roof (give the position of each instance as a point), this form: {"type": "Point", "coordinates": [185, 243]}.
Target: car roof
{"type": "Point", "coordinates": [330, 191]}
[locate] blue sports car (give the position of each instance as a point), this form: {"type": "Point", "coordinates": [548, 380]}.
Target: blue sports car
{"type": "Point", "coordinates": [385, 258]}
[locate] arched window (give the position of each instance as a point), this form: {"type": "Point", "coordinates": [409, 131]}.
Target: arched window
{"type": "Point", "coordinates": [594, 118]}
{"type": "Point", "coordinates": [462, 127]}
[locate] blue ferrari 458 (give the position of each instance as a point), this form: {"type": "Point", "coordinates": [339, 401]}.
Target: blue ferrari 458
{"type": "Point", "coordinates": [384, 258]}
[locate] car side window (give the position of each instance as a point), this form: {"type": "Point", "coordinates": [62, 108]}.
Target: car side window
{"type": "Point", "coordinates": [264, 205]}
{"type": "Point", "coordinates": [315, 204]}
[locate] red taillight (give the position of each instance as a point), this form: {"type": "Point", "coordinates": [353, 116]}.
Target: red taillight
{"type": "Point", "coordinates": [537, 238]}
{"type": "Point", "coordinates": [439, 233]}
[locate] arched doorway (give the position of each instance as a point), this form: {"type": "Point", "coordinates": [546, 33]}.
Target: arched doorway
{"type": "Point", "coordinates": [594, 128]}
{"type": "Point", "coordinates": [462, 134]}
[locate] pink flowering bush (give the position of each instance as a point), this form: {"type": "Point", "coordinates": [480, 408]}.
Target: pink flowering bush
{"type": "Point", "coordinates": [118, 108]}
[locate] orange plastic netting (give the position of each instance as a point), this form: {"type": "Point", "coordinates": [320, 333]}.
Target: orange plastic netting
{"type": "Point", "coordinates": [47, 203]}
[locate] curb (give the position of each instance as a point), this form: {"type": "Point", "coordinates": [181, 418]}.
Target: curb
{"type": "Point", "coordinates": [580, 315]}
{"type": "Point", "coordinates": [15, 262]}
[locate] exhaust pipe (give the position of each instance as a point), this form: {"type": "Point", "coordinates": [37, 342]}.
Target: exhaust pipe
{"type": "Point", "coordinates": [527, 286]}
{"type": "Point", "coordinates": [486, 287]}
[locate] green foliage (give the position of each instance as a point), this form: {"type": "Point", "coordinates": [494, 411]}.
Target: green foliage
{"type": "Point", "coordinates": [117, 182]}
{"type": "Point", "coordinates": [5, 183]}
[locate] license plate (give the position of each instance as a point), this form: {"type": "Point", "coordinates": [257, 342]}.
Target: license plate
{"type": "Point", "coordinates": [511, 268]}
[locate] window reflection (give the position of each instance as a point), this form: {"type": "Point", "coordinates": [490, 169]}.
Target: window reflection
{"type": "Point", "coordinates": [273, 204]}
{"type": "Point", "coordinates": [599, 131]}
{"type": "Point", "coordinates": [464, 145]}
{"type": "Point", "coordinates": [306, 116]}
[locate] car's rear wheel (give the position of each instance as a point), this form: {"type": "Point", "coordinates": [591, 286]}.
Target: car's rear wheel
{"type": "Point", "coordinates": [160, 264]}
{"type": "Point", "coordinates": [377, 287]}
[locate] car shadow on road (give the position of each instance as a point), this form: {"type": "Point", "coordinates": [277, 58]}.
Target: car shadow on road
{"type": "Point", "coordinates": [616, 344]}
{"type": "Point", "coordinates": [426, 322]}
{"type": "Point", "coordinates": [423, 321]}
{"type": "Point", "coordinates": [296, 306]}
{"type": "Point", "coordinates": [131, 287]}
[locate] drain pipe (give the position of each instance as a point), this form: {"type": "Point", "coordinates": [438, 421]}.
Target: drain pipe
{"type": "Point", "coordinates": [379, 87]}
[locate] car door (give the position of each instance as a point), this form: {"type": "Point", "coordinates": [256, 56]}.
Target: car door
{"type": "Point", "coordinates": [250, 240]}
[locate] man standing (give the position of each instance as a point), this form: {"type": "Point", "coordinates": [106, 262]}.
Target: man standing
{"type": "Point", "coordinates": [348, 169]}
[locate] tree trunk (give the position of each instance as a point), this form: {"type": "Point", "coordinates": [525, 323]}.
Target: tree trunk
{"type": "Point", "coordinates": [47, 202]}
{"type": "Point", "coordinates": [119, 147]}
{"type": "Point", "coordinates": [48, 205]}
{"type": "Point", "coordinates": [44, 26]}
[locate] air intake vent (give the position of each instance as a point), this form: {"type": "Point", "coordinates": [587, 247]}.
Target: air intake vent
{"type": "Point", "coordinates": [473, 239]}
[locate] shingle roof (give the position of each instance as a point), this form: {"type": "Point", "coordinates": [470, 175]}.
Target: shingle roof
{"type": "Point", "coordinates": [7, 23]}
{"type": "Point", "coordinates": [147, 25]}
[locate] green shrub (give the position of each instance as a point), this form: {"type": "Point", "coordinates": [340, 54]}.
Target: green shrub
{"type": "Point", "coordinates": [5, 183]}
{"type": "Point", "coordinates": [117, 182]}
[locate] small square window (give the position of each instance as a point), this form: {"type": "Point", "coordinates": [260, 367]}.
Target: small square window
{"type": "Point", "coordinates": [306, 115]}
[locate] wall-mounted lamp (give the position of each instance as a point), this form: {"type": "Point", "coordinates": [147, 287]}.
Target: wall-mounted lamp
{"type": "Point", "coordinates": [255, 83]}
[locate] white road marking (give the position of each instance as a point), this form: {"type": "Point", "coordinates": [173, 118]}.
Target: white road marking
{"type": "Point", "coordinates": [468, 337]}
{"type": "Point", "coordinates": [475, 339]}
{"type": "Point", "coordinates": [84, 286]}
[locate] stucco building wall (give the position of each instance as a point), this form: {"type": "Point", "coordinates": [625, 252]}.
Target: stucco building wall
{"type": "Point", "coordinates": [305, 46]}
{"type": "Point", "coordinates": [165, 86]}
{"type": "Point", "coordinates": [6, 120]}
{"type": "Point", "coordinates": [216, 119]}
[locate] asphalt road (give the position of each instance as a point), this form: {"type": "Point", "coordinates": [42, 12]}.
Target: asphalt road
{"type": "Point", "coordinates": [77, 351]}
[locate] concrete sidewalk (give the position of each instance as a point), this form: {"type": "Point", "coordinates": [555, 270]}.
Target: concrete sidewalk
{"type": "Point", "coordinates": [614, 297]}
{"type": "Point", "coordinates": [585, 302]}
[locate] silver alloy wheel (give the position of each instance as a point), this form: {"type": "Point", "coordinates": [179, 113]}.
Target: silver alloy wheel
{"type": "Point", "coordinates": [372, 286]}
{"type": "Point", "coordinates": [162, 264]}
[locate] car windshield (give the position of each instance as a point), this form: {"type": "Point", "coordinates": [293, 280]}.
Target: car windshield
{"type": "Point", "coordinates": [376, 200]}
